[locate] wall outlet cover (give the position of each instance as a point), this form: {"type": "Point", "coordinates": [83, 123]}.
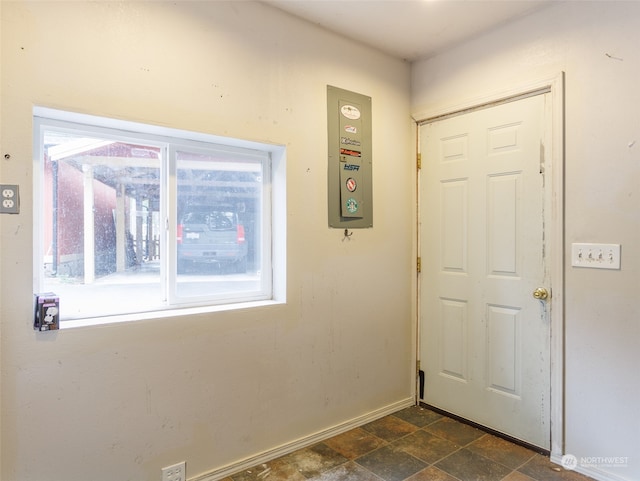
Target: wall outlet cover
{"type": "Point", "coordinates": [176, 472]}
{"type": "Point", "coordinates": [9, 199]}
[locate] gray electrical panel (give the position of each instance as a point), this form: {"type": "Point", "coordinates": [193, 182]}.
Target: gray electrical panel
{"type": "Point", "coordinates": [349, 132]}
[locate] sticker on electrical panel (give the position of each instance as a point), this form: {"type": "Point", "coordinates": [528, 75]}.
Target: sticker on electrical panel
{"type": "Point", "coordinates": [352, 153]}
{"type": "Point", "coordinates": [352, 205]}
{"type": "Point", "coordinates": [348, 141]}
{"type": "Point", "coordinates": [350, 129]}
{"type": "Point", "coordinates": [350, 112]}
{"type": "Point", "coordinates": [351, 184]}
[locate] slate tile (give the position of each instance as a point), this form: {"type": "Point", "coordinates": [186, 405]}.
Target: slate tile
{"type": "Point", "coordinates": [501, 451]}
{"type": "Point", "coordinates": [468, 466]}
{"type": "Point", "coordinates": [314, 460]}
{"type": "Point", "coordinates": [456, 432]}
{"type": "Point", "coordinates": [346, 472]}
{"type": "Point", "coordinates": [355, 443]}
{"type": "Point", "coordinates": [276, 470]}
{"type": "Point", "coordinates": [426, 446]}
{"type": "Point", "coordinates": [432, 474]}
{"type": "Point", "coordinates": [418, 416]}
{"type": "Point", "coordinates": [391, 464]}
{"type": "Point", "coordinates": [541, 468]}
{"type": "Point", "coordinates": [390, 428]}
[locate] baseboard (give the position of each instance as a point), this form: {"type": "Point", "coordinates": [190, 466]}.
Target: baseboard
{"type": "Point", "coordinates": [271, 454]}
{"type": "Point", "coordinates": [592, 472]}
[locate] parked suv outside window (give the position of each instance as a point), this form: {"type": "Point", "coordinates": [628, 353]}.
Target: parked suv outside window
{"type": "Point", "coordinates": [211, 235]}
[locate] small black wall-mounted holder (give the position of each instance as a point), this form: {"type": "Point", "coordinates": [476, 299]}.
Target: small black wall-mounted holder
{"type": "Point", "coordinates": [47, 312]}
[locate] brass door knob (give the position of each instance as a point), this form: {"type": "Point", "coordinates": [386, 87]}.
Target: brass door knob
{"type": "Point", "coordinates": [541, 293]}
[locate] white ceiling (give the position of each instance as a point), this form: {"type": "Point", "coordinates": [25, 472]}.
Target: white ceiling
{"type": "Point", "coordinates": [409, 29]}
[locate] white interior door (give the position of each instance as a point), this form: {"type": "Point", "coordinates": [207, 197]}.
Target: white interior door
{"type": "Point", "coordinates": [484, 338]}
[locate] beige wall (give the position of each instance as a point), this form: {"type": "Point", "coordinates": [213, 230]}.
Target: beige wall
{"type": "Point", "coordinates": [123, 400]}
{"type": "Point", "coordinates": [596, 45]}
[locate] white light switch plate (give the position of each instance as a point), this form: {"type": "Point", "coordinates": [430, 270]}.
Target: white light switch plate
{"type": "Point", "coordinates": [596, 256]}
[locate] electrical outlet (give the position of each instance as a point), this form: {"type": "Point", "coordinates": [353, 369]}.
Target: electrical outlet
{"type": "Point", "coordinates": [177, 472]}
{"type": "Point", "coordinates": [10, 199]}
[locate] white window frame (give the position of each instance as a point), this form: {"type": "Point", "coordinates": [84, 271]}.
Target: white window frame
{"type": "Point", "coordinates": [169, 140]}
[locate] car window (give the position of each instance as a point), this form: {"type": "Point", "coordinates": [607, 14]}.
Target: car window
{"type": "Point", "coordinates": [214, 220]}
{"type": "Point", "coordinates": [221, 220]}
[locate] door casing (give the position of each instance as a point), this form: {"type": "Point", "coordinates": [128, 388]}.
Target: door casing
{"type": "Point", "coordinates": [555, 87]}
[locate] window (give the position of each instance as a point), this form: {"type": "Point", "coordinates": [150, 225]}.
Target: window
{"type": "Point", "coordinates": [134, 218]}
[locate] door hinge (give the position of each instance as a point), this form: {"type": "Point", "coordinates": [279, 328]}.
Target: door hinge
{"type": "Point", "coordinates": [419, 160]}
{"type": "Point", "coordinates": [419, 264]}
{"type": "Point", "coordinates": [418, 365]}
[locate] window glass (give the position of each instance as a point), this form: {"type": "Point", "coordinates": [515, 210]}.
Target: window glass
{"type": "Point", "coordinates": [219, 214]}
{"type": "Point", "coordinates": [131, 222]}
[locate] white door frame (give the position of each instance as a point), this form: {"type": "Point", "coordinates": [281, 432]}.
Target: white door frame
{"type": "Point", "coordinates": [555, 87]}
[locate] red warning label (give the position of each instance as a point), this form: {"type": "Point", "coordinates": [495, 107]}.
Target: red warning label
{"type": "Point", "coordinates": [352, 153]}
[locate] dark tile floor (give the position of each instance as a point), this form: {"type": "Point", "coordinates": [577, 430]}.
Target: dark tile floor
{"type": "Point", "coordinates": [415, 444]}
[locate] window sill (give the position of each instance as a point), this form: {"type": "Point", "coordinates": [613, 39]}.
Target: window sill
{"type": "Point", "coordinates": [178, 312]}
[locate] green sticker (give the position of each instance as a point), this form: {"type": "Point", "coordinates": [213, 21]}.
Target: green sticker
{"type": "Point", "coordinates": [352, 205]}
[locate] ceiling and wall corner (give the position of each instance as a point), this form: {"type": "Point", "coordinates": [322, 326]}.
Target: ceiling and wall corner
{"type": "Point", "coordinates": [410, 29]}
